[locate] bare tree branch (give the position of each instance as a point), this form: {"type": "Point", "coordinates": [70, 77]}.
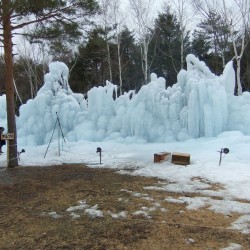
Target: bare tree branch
{"type": "Point", "coordinates": [141, 12]}
{"type": "Point", "coordinates": [19, 26]}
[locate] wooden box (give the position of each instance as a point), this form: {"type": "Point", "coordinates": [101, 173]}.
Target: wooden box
{"type": "Point", "coordinates": [162, 156]}
{"type": "Point", "coordinates": [180, 158]}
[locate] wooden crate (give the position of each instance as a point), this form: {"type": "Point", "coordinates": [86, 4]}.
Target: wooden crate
{"type": "Point", "coordinates": [180, 158]}
{"type": "Point", "coordinates": [162, 156]}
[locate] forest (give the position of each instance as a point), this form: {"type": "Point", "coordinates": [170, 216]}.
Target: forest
{"type": "Point", "coordinates": [102, 40]}
{"type": "Point", "coordinates": [126, 45]}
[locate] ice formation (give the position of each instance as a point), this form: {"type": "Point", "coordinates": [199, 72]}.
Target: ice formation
{"type": "Point", "coordinates": [3, 114]}
{"type": "Point", "coordinates": [200, 104]}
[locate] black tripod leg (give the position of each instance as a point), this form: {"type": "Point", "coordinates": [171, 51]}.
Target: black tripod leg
{"type": "Point", "coordinates": [50, 139]}
{"type": "Point", "coordinates": [60, 127]}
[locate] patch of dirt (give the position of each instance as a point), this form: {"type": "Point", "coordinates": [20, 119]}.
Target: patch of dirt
{"type": "Point", "coordinates": [214, 186]}
{"type": "Point", "coordinates": [30, 196]}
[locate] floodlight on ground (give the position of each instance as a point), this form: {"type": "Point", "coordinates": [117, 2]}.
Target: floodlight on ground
{"type": "Point", "coordinates": [99, 150]}
{"type": "Point", "coordinates": [223, 152]}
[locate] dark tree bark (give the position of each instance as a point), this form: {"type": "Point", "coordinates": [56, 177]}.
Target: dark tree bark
{"type": "Point", "coordinates": [9, 86]}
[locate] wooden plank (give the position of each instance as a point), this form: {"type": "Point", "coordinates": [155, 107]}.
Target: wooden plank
{"type": "Point", "coordinates": [162, 156]}
{"type": "Point", "coordinates": [180, 158]}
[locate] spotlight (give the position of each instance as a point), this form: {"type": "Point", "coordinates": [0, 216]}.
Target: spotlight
{"type": "Point", "coordinates": [99, 150]}
{"type": "Point", "coordinates": [18, 153]}
{"type": "Point", "coordinates": [223, 151]}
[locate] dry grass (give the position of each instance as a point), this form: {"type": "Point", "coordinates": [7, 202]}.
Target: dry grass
{"type": "Point", "coordinates": [27, 195]}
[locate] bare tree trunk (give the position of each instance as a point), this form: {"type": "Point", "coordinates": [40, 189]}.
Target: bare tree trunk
{"type": "Point", "coordinates": [244, 13]}
{"type": "Point", "coordinates": [223, 60]}
{"type": "Point", "coordinates": [184, 18]}
{"type": "Point", "coordinates": [239, 87]}
{"type": "Point", "coordinates": [182, 51]}
{"type": "Point", "coordinates": [32, 53]}
{"type": "Point", "coordinates": [181, 17]}
{"type": "Point", "coordinates": [105, 9]}
{"type": "Point", "coordinates": [9, 86]}
{"type": "Point", "coordinates": [29, 74]}
{"type": "Point", "coordinates": [17, 93]}
{"type": "Point", "coordinates": [143, 66]}
{"type": "Point", "coordinates": [109, 62]}
{"type": "Point", "coordinates": [141, 12]}
{"type": "Point", "coordinates": [238, 61]}
{"type": "Point", "coordinates": [237, 58]}
{"type": "Point", "coordinates": [118, 19]}
{"type": "Point", "coordinates": [145, 49]}
{"type": "Point", "coordinates": [119, 61]}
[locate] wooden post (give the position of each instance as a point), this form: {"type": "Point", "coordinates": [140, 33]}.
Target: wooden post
{"type": "Point", "coordinates": [8, 152]}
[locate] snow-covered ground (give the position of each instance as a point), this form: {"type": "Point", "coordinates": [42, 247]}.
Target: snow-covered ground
{"type": "Point", "coordinates": [232, 176]}
{"type": "Point", "coordinates": [199, 115]}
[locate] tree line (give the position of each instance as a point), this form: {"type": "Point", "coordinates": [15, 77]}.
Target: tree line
{"type": "Point", "coordinates": [97, 43]}
{"type": "Point", "coordinates": [111, 51]}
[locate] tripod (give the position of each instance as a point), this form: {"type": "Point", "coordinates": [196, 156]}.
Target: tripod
{"type": "Point", "coordinates": [59, 130]}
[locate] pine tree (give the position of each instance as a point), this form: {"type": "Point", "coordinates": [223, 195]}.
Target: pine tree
{"type": "Point", "coordinates": [215, 34]}
{"type": "Point", "coordinates": [44, 16]}
{"type": "Point", "coordinates": [165, 48]}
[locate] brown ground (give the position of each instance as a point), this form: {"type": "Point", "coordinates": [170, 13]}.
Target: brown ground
{"type": "Point", "coordinates": [28, 195]}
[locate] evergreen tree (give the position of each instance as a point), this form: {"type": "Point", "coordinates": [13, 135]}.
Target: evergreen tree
{"type": "Point", "coordinates": [133, 77]}
{"type": "Point", "coordinates": [44, 16]}
{"type": "Point", "coordinates": [215, 35]}
{"type": "Point", "coordinates": [91, 66]}
{"type": "Point", "coordinates": [200, 46]}
{"type": "Point", "coordinates": [245, 69]}
{"type": "Point", "coordinates": [165, 47]}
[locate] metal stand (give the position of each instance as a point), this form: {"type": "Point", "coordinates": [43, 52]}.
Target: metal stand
{"type": "Point", "coordinates": [99, 150]}
{"type": "Point", "coordinates": [18, 153]}
{"type": "Point", "coordinates": [223, 151]}
{"type": "Point", "coordinates": [60, 132]}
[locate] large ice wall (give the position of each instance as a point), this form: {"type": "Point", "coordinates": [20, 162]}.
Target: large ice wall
{"type": "Point", "coordinates": [200, 104]}
{"type": "Point", "coordinates": [3, 114]}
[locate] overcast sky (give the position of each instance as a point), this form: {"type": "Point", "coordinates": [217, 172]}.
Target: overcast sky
{"type": "Point", "coordinates": [157, 4]}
